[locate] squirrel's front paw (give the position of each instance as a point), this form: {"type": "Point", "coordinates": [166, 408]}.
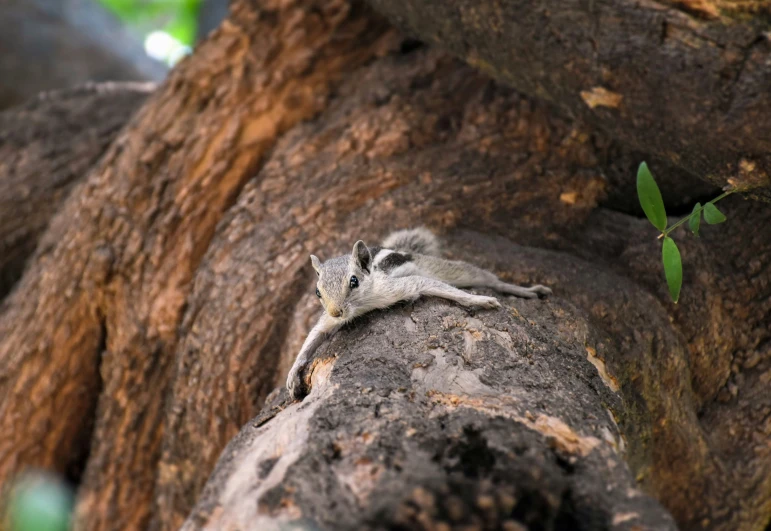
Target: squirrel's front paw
{"type": "Point", "coordinates": [481, 301]}
{"type": "Point", "coordinates": [294, 381]}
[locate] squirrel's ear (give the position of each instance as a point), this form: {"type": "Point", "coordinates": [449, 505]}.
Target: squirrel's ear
{"type": "Point", "coordinates": [361, 256]}
{"type": "Point", "coordinates": [316, 263]}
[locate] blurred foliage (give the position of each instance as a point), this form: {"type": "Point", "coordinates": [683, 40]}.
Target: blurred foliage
{"type": "Point", "coordinates": [40, 502]}
{"type": "Point", "coordinates": [178, 18]}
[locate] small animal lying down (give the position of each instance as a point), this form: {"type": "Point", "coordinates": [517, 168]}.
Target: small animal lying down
{"type": "Point", "coordinates": [407, 266]}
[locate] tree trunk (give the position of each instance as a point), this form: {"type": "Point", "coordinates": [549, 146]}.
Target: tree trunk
{"type": "Point", "coordinates": [105, 292]}
{"type": "Point", "coordinates": [687, 81]}
{"type": "Point", "coordinates": [170, 293]}
{"type": "Point", "coordinates": [427, 417]}
{"type": "Point", "coordinates": [46, 147]}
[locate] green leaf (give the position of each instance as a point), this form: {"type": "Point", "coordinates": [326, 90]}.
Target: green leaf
{"type": "Point", "coordinates": [650, 198]}
{"type": "Point", "coordinates": [673, 268]}
{"type": "Point", "coordinates": [695, 220]}
{"type": "Point", "coordinates": [712, 215]}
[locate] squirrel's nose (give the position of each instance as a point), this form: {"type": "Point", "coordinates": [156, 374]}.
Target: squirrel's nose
{"type": "Point", "coordinates": [335, 312]}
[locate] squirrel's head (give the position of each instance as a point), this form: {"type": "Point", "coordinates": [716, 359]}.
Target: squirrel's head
{"type": "Point", "coordinates": [344, 281]}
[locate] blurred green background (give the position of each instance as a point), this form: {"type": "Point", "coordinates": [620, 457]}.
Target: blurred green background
{"type": "Point", "coordinates": [168, 27]}
{"type": "Point", "coordinates": [40, 502]}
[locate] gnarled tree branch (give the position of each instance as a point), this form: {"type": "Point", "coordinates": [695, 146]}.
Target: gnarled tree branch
{"type": "Point", "coordinates": [686, 82]}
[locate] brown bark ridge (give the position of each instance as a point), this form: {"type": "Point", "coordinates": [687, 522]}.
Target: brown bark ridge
{"type": "Point", "coordinates": [88, 335]}
{"type": "Point", "coordinates": [685, 81]}
{"type": "Point", "coordinates": [61, 44]}
{"type": "Point", "coordinates": [430, 417]}
{"type": "Point", "coordinates": [46, 147]}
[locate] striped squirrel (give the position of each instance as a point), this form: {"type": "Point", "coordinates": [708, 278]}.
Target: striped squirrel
{"type": "Point", "coordinates": [406, 266]}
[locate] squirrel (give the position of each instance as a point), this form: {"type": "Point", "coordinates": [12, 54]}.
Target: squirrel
{"type": "Point", "coordinates": [406, 266]}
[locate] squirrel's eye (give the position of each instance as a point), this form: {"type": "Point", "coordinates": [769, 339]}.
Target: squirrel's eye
{"type": "Point", "coordinates": [354, 282]}
{"type": "Point", "coordinates": [318, 293]}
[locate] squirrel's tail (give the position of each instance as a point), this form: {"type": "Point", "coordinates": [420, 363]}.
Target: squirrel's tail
{"type": "Point", "coordinates": [419, 240]}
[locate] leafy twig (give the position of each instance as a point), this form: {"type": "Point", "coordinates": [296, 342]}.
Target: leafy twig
{"type": "Point", "coordinates": [653, 206]}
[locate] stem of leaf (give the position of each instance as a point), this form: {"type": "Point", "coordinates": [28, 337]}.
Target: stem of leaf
{"type": "Point", "coordinates": [666, 232]}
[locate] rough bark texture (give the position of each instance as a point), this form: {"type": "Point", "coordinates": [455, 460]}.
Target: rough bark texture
{"type": "Point", "coordinates": [403, 140]}
{"type": "Point", "coordinates": [685, 81]}
{"type": "Point", "coordinates": [170, 294]}
{"type": "Point", "coordinates": [57, 44]}
{"type": "Point", "coordinates": [46, 146]}
{"type": "Point", "coordinates": [708, 464]}
{"type": "Point", "coordinates": [412, 140]}
{"type": "Point", "coordinates": [426, 417]}
{"type": "Point", "coordinates": [104, 295]}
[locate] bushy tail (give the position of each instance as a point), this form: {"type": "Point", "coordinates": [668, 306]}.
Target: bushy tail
{"type": "Point", "coordinates": [419, 240]}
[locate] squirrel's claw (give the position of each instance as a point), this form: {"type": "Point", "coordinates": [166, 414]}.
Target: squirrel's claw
{"type": "Point", "coordinates": [294, 382]}
{"type": "Point", "coordinates": [541, 290]}
{"type": "Point", "coordinates": [482, 301]}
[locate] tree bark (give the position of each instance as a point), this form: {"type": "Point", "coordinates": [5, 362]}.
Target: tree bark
{"type": "Point", "coordinates": [60, 44]}
{"type": "Point", "coordinates": [431, 417]}
{"type": "Point", "coordinates": [105, 292]}
{"type": "Point", "coordinates": [46, 147]}
{"type": "Point", "coordinates": [170, 293]}
{"type": "Point", "coordinates": [400, 144]}
{"type": "Point", "coordinates": [685, 81]}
